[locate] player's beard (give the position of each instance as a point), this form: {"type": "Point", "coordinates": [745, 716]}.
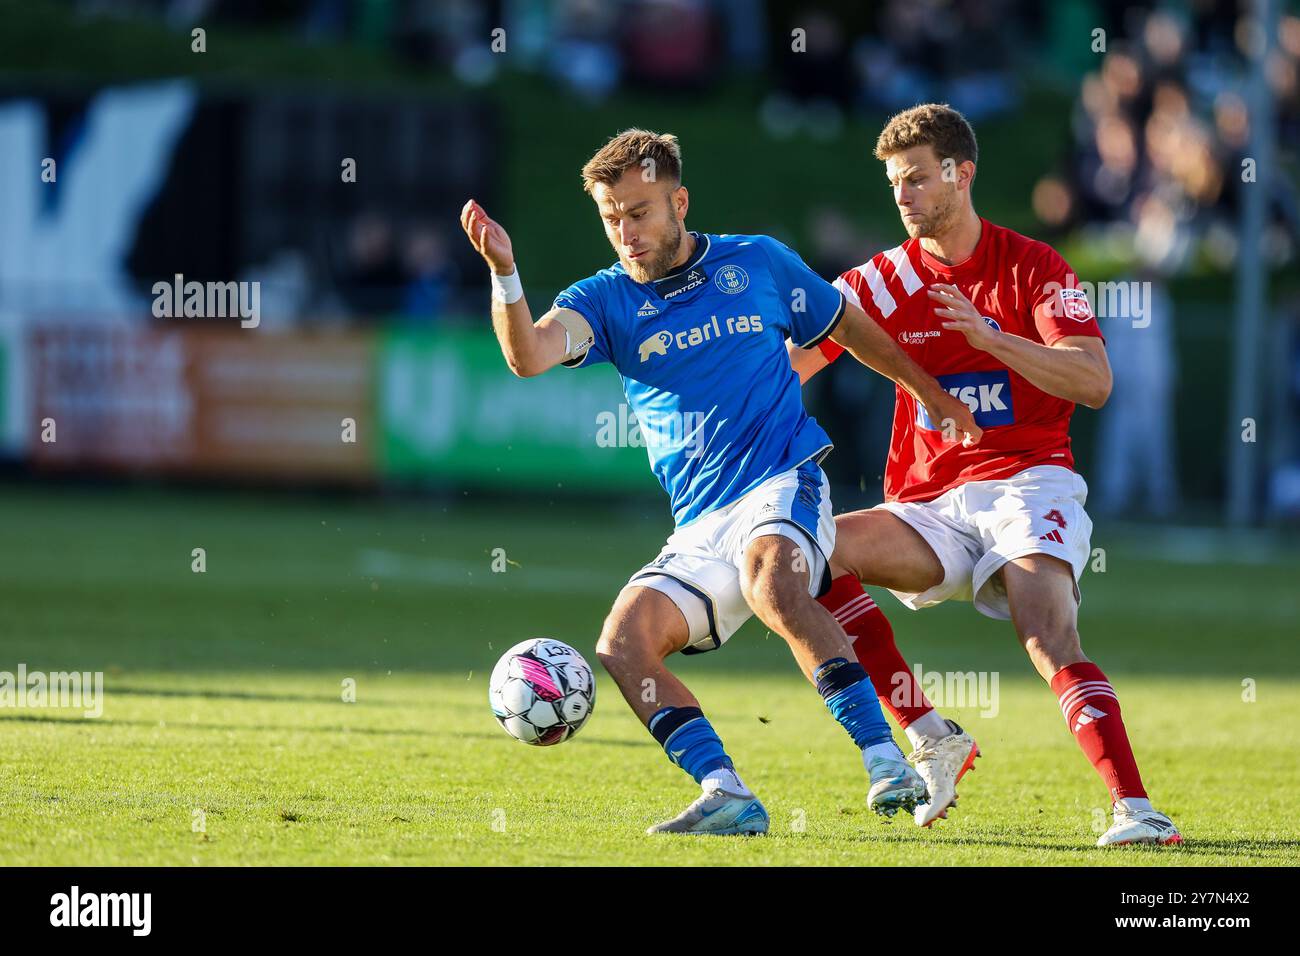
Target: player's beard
{"type": "Point", "coordinates": [936, 222]}
{"type": "Point", "coordinates": [661, 259]}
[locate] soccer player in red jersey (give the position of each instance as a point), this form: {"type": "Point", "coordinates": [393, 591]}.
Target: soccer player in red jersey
{"type": "Point", "coordinates": [998, 319]}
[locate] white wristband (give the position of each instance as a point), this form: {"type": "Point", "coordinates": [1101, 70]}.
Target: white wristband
{"type": "Point", "coordinates": [507, 289]}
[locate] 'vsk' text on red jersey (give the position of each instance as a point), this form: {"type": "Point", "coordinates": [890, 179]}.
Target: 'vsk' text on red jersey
{"type": "Point", "coordinates": [1020, 286]}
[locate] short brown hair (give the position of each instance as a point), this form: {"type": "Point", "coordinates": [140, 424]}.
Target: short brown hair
{"type": "Point", "coordinates": [930, 124]}
{"type": "Point", "coordinates": [629, 150]}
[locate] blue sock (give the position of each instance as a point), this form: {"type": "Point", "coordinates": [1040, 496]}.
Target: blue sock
{"type": "Point", "coordinates": [852, 701]}
{"type": "Point", "coordinates": [689, 740]}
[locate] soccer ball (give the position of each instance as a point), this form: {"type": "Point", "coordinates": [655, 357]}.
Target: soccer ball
{"type": "Point", "coordinates": [542, 691]}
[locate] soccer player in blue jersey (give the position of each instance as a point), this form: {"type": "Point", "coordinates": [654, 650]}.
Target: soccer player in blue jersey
{"type": "Point", "coordinates": [696, 325]}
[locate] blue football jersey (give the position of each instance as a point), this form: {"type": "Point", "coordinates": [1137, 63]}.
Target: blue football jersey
{"type": "Point", "coordinates": [703, 361]}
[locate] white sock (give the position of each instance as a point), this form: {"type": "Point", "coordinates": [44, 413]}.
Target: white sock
{"type": "Point", "coordinates": [724, 778]}
{"type": "Point", "coordinates": [1134, 805]}
{"type": "Point", "coordinates": [930, 725]}
{"type": "Point", "coordinates": [888, 750]}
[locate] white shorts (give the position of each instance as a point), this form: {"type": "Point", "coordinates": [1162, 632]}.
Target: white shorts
{"type": "Point", "coordinates": [699, 567]}
{"type": "Point", "coordinates": [977, 527]}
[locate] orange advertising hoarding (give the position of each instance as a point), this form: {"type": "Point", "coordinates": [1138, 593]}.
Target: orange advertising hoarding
{"type": "Point", "coordinates": [195, 400]}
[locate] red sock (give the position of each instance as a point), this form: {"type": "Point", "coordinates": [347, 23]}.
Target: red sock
{"type": "Point", "coordinates": [1091, 712]}
{"type": "Point", "coordinates": [873, 642]}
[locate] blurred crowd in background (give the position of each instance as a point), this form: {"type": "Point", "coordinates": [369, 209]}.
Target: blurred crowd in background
{"type": "Point", "coordinates": [1160, 135]}
{"type": "Point", "coordinates": [392, 271]}
{"type": "Point", "coordinates": [1159, 125]}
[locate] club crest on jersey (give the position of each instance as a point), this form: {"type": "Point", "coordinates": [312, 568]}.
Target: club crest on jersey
{"type": "Point", "coordinates": [991, 323]}
{"type": "Point", "coordinates": [986, 394]}
{"type": "Point", "coordinates": [647, 310]}
{"type": "Point", "coordinates": [731, 280]}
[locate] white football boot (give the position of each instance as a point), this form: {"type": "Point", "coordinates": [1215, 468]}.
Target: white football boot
{"type": "Point", "coordinates": [894, 786]}
{"type": "Point", "coordinates": [718, 812]}
{"type": "Point", "coordinates": [1140, 826]}
{"type": "Point", "coordinates": [942, 762]}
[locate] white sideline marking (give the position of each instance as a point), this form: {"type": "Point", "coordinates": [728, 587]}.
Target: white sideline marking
{"type": "Point", "coordinates": [391, 564]}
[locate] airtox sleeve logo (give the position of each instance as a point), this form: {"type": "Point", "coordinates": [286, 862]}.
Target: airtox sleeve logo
{"type": "Point", "coordinates": [731, 280]}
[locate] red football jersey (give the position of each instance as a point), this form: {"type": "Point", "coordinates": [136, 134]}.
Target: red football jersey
{"type": "Point", "coordinates": [1020, 286]}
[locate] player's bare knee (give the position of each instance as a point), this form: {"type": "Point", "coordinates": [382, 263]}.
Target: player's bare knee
{"type": "Point", "coordinates": [842, 561]}
{"type": "Point", "coordinates": [637, 629]}
{"type": "Point", "coordinates": [841, 564]}
{"type": "Point", "coordinates": [773, 592]}
{"type": "Point", "coordinates": [626, 647]}
{"type": "Point", "coordinates": [609, 649]}
{"type": "Point", "coordinates": [619, 640]}
{"type": "Point", "coordinates": [1052, 648]}
{"type": "Point", "coordinates": [1065, 647]}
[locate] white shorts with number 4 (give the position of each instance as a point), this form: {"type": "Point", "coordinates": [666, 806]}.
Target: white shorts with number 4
{"type": "Point", "coordinates": [977, 527]}
{"type": "Point", "coordinates": [699, 566]}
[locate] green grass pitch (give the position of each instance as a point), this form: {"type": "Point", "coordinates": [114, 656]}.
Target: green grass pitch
{"type": "Point", "coordinates": [225, 738]}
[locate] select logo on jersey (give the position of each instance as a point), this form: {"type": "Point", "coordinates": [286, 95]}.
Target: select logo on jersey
{"type": "Point", "coordinates": [647, 310]}
{"type": "Point", "coordinates": [731, 280]}
{"type": "Point", "coordinates": [663, 340]}
{"type": "Point", "coordinates": [986, 394]}
{"type": "Point", "coordinates": [1076, 304]}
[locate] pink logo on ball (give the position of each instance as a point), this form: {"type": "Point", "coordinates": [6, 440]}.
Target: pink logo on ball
{"type": "Point", "coordinates": [535, 673]}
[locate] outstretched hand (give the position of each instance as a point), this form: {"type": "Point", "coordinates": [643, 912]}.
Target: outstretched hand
{"type": "Point", "coordinates": [488, 238]}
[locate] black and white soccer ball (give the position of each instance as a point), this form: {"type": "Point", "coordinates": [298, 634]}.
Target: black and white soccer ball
{"type": "Point", "coordinates": [542, 691]}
